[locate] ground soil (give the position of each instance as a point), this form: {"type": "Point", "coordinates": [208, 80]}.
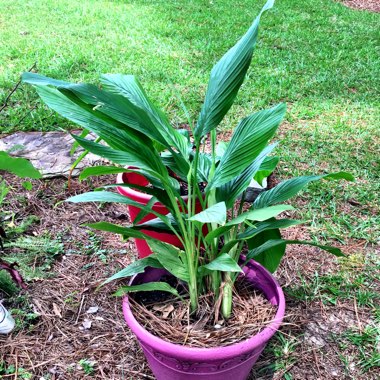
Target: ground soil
{"type": "Point", "coordinates": [66, 331]}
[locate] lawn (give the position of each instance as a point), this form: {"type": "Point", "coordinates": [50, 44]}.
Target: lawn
{"type": "Point", "coordinates": [318, 56]}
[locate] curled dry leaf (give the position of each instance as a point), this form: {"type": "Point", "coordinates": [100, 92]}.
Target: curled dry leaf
{"type": "Point", "coordinates": [164, 309]}
{"type": "Point", "coordinates": [57, 310]}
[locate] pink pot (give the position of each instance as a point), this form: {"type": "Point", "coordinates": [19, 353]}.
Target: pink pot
{"type": "Point", "coordinates": [176, 362]}
{"type": "Point", "coordinates": [141, 245]}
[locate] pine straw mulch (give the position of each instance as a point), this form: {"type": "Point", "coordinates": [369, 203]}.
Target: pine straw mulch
{"type": "Point", "coordinates": [171, 318]}
{"type": "Point", "coordinates": [369, 5]}
{"type": "Point", "coordinates": [74, 322]}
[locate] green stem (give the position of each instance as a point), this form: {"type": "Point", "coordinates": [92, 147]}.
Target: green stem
{"type": "Point", "coordinates": [77, 161]}
{"type": "Point", "coordinates": [227, 296]}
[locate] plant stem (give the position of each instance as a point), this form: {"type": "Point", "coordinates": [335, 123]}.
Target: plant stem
{"type": "Point", "coordinates": [227, 296]}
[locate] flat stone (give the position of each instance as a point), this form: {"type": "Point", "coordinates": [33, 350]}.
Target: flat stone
{"type": "Point", "coordinates": [49, 152]}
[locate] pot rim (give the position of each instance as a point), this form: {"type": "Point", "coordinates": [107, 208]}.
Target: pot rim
{"type": "Point", "coordinates": [212, 353]}
{"type": "Point", "coordinates": [132, 193]}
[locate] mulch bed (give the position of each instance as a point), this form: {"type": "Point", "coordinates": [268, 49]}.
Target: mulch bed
{"type": "Point", "coordinates": [369, 5]}
{"type": "Point", "coordinates": [75, 323]}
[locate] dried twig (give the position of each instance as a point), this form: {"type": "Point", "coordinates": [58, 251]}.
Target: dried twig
{"type": "Point", "coordinates": [14, 89]}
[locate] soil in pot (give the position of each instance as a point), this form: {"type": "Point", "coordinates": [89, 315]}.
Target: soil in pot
{"type": "Point", "coordinates": [169, 318]}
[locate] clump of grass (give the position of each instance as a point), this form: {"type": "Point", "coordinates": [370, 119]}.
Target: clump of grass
{"type": "Point", "coordinates": [366, 342]}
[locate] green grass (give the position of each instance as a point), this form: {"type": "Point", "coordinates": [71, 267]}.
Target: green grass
{"type": "Point", "coordinates": [367, 344]}
{"type": "Point", "coordinates": [315, 55]}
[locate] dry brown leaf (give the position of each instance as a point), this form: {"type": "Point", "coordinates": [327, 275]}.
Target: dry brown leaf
{"type": "Point", "coordinates": [164, 309]}
{"type": "Point", "coordinates": [57, 310]}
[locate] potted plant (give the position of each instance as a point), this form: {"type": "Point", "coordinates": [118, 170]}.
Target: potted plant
{"type": "Point", "coordinates": [212, 238]}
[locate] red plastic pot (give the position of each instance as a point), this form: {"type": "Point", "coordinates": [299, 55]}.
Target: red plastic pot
{"type": "Point", "coordinates": [176, 362]}
{"type": "Point", "coordinates": [137, 179]}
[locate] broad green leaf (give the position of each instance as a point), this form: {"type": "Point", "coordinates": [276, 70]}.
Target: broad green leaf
{"type": "Point", "coordinates": [273, 224]}
{"type": "Point", "coordinates": [249, 139]}
{"type": "Point", "coordinates": [129, 87]}
{"type": "Point", "coordinates": [106, 196]}
{"type": "Point", "coordinates": [204, 166]}
{"type": "Point", "coordinates": [101, 170]}
{"type": "Point", "coordinates": [177, 167]}
{"type": "Point", "coordinates": [287, 189]}
{"type": "Point", "coordinates": [148, 287]}
{"type": "Point", "coordinates": [269, 255]}
{"type": "Point", "coordinates": [37, 79]}
{"type": "Point", "coordinates": [266, 168]}
{"type": "Point", "coordinates": [170, 258]}
{"type": "Point", "coordinates": [135, 268]}
{"type": "Point", "coordinates": [260, 214]}
{"type": "Point", "coordinates": [101, 104]}
{"type": "Point", "coordinates": [19, 166]}
{"type": "Point", "coordinates": [230, 191]}
{"type": "Point", "coordinates": [228, 246]}
{"type": "Point", "coordinates": [157, 225]}
{"type": "Point", "coordinates": [271, 252]}
{"type": "Point", "coordinates": [143, 213]}
{"type": "Point", "coordinates": [158, 193]}
{"type": "Point", "coordinates": [226, 78]}
{"type": "Point", "coordinates": [224, 263]}
{"type": "Point", "coordinates": [144, 159]}
{"type": "Point", "coordinates": [216, 213]}
{"type": "Point", "coordinates": [114, 118]}
{"type": "Point", "coordinates": [252, 215]}
{"type": "Point", "coordinates": [127, 232]}
{"type": "Point", "coordinates": [113, 133]}
{"type": "Point", "coordinates": [4, 190]}
{"type": "Point", "coordinates": [221, 148]}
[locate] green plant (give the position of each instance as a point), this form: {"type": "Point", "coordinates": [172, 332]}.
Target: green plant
{"type": "Point", "coordinates": [138, 134]}
{"type": "Point", "coordinates": [10, 370]}
{"type": "Point", "coordinates": [87, 366]}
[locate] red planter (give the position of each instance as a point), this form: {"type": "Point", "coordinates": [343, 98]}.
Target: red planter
{"type": "Point", "coordinates": [141, 245]}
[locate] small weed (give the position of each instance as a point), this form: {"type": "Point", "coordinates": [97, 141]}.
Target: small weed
{"type": "Point", "coordinates": [23, 313]}
{"type": "Point", "coordinates": [94, 247]}
{"type": "Point", "coordinates": [87, 366]}
{"type": "Point", "coordinates": [11, 370]}
{"type": "Point", "coordinates": [13, 230]}
{"type": "Point", "coordinates": [72, 299]}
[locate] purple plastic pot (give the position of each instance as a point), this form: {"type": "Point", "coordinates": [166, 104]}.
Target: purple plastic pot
{"type": "Point", "coordinates": [170, 361]}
